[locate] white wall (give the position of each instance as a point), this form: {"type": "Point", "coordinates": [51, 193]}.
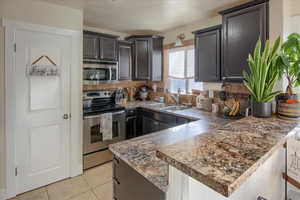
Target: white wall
{"type": "Point", "coordinates": [295, 7]}
{"type": "Point", "coordinates": [280, 11]}
{"type": "Point", "coordinates": [2, 108]}
{"type": "Point", "coordinates": [292, 16]}
{"type": "Point", "coordinates": [284, 21]}
{"type": "Point", "coordinates": [100, 30]}
{"type": "Point", "coordinates": [35, 12]}
{"type": "Point", "coordinates": [170, 36]}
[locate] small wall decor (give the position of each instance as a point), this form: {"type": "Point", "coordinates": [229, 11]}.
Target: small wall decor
{"type": "Point", "coordinates": [293, 158]}
{"type": "Point", "coordinates": [36, 69]}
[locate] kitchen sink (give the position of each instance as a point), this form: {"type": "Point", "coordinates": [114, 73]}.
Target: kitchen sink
{"type": "Point", "coordinates": [176, 107]}
{"type": "Point", "coordinates": [157, 105]}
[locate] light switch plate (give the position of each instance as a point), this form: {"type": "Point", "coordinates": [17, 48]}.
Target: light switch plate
{"type": "Point", "coordinates": [211, 94]}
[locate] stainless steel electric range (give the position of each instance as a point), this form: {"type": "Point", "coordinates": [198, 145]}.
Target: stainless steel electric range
{"type": "Point", "coordinates": [95, 104]}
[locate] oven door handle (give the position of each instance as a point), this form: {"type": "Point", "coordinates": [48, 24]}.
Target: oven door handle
{"type": "Point", "coordinates": [91, 117]}
{"type": "Point", "coordinates": [96, 116]}
{"type": "Point", "coordinates": [117, 113]}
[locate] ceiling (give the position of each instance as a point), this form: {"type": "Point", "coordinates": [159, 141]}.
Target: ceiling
{"type": "Point", "coordinates": [145, 15]}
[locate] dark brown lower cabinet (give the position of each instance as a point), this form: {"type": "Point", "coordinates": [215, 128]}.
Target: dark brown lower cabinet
{"type": "Point", "coordinates": [150, 125]}
{"type": "Point", "coordinates": [130, 185]}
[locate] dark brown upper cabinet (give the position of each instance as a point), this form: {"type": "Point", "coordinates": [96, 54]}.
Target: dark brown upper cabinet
{"type": "Point", "coordinates": [147, 57]}
{"type": "Point", "coordinates": [99, 47]}
{"type": "Point", "coordinates": [108, 48]}
{"type": "Point", "coordinates": [242, 27]}
{"type": "Point", "coordinates": [125, 60]}
{"type": "Point", "coordinates": [208, 54]}
{"type": "Point", "coordinates": [91, 50]}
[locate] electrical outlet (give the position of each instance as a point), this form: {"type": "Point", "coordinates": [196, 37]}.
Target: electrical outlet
{"type": "Point", "coordinates": [223, 95]}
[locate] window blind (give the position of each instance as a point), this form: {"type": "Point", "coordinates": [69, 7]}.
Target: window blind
{"type": "Point", "coordinates": [176, 64]}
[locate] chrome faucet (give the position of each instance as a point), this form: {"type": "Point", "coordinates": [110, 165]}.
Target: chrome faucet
{"type": "Point", "coordinates": [176, 97]}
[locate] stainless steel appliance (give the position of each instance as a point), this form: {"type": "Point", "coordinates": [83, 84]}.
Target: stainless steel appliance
{"type": "Point", "coordinates": [95, 73]}
{"type": "Point", "coordinates": [96, 103]}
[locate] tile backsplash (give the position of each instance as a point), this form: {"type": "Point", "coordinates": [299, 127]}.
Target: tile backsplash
{"type": "Point", "coordinates": [119, 84]}
{"type": "Point", "coordinates": [233, 90]}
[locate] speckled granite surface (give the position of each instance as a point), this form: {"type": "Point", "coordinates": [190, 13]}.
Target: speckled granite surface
{"type": "Point", "coordinates": [140, 153]}
{"type": "Point", "coordinates": [223, 159]}
{"type": "Point", "coordinates": [135, 104]}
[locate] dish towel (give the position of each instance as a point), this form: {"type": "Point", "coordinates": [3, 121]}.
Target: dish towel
{"type": "Point", "coordinates": [106, 126]}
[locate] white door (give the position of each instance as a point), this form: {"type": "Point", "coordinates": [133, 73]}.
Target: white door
{"type": "Point", "coordinates": [42, 134]}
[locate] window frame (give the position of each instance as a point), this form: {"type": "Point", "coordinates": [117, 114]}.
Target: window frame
{"type": "Point", "coordinates": [186, 78]}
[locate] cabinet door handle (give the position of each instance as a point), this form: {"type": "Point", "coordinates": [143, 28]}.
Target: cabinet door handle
{"type": "Point", "coordinates": [117, 181]}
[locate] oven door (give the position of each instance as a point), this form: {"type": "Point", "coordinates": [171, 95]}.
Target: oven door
{"type": "Point", "coordinates": [92, 137]}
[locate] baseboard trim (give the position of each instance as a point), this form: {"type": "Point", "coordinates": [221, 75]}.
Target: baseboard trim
{"type": "Point", "coordinates": [2, 194]}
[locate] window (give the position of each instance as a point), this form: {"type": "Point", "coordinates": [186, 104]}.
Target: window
{"type": "Point", "coordinates": [181, 70]}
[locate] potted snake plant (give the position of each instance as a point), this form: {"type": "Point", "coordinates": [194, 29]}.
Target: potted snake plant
{"type": "Point", "coordinates": [264, 73]}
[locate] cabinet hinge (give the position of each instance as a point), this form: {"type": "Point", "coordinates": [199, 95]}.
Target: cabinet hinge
{"type": "Point", "coordinates": [15, 47]}
{"type": "Point", "coordinates": [16, 171]}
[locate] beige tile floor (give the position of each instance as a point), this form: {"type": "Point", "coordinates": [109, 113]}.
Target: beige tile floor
{"type": "Point", "coordinates": [94, 184]}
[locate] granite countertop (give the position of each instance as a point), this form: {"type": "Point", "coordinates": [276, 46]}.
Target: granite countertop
{"type": "Point", "coordinates": [135, 104]}
{"type": "Point", "coordinates": [224, 158]}
{"type": "Point", "coordinates": [140, 153]}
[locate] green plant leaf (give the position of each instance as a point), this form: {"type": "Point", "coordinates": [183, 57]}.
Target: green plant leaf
{"type": "Point", "coordinates": [265, 67]}
{"type": "Point", "coordinates": [250, 90]}
{"type": "Point", "coordinates": [246, 76]}
{"type": "Point", "coordinates": [289, 59]}
{"type": "Point", "coordinates": [271, 96]}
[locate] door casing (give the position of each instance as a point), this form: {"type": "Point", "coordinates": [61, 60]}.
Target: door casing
{"type": "Point", "coordinates": [76, 166]}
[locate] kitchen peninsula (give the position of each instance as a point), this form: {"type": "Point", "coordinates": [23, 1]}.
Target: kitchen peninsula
{"type": "Point", "coordinates": [213, 157]}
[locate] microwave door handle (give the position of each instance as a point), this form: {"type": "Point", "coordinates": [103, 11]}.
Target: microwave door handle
{"type": "Point", "coordinates": [110, 74]}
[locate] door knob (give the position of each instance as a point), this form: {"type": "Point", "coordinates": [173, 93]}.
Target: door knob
{"type": "Point", "coordinates": [66, 116]}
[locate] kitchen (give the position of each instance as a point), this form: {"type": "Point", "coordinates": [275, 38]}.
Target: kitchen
{"type": "Point", "coordinates": [166, 114]}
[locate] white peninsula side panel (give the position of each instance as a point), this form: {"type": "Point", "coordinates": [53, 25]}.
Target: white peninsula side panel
{"type": "Point", "coordinates": [267, 182]}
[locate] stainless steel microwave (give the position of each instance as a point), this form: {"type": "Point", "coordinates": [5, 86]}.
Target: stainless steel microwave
{"type": "Point", "coordinates": [95, 73]}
